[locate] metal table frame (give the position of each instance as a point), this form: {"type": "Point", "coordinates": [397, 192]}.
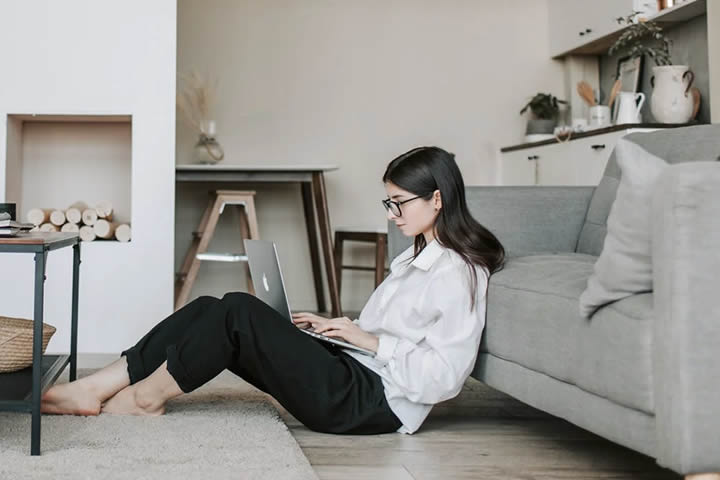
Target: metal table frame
{"type": "Point", "coordinates": [46, 368]}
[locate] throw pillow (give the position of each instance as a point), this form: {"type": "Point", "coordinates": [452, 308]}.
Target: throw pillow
{"type": "Point", "coordinates": [624, 266]}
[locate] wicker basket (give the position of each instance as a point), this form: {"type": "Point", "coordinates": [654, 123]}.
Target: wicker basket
{"type": "Point", "coordinates": [16, 342]}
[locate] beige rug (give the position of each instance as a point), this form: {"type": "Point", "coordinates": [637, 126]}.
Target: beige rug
{"type": "Point", "coordinates": [224, 430]}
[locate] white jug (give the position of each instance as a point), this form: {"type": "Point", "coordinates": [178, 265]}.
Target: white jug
{"type": "Point", "coordinates": [671, 100]}
{"type": "Point", "coordinates": [628, 107]}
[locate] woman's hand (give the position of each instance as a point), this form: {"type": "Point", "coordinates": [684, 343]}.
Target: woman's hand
{"type": "Point", "coordinates": [342, 328]}
{"type": "Point", "coordinates": [306, 320]}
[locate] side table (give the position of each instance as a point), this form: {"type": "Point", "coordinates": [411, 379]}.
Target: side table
{"type": "Point", "coordinates": [22, 391]}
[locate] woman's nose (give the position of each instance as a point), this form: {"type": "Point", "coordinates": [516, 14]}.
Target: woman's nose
{"type": "Point", "coordinates": [391, 215]}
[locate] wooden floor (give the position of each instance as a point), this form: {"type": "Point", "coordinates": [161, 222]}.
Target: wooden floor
{"type": "Point", "coordinates": [481, 434]}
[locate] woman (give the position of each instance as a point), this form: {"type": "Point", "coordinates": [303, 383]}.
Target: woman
{"type": "Point", "coordinates": [424, 322]}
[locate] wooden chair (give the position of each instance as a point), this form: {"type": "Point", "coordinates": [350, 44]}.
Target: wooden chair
{"type": "Point", "coordinates": [244, 201]}
{"type": "Point", "coordinates": [378, 237]}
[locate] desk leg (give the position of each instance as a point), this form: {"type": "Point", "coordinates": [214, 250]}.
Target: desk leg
{"type": "Point", "coordinates": [311, 224]}
{"type": "Point", "coordinates": [318, 186]}
{"type": "Point", "coordinates": [74, 318]}
{"type": "Point", "coordinates": [40, 259]}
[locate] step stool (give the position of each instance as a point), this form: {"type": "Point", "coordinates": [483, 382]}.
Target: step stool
{"type": "Point", "coordinates": [244, 201]}
{"type": "Point", "coordinates": [352, 234]}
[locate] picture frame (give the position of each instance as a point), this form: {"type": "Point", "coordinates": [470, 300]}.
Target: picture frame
{"type": "Point", "coordinates": [629, 71]}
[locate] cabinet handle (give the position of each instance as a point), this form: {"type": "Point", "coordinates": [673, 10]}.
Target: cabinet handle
{"type": "Point", "coordinates": [588, 30]}
{"type": "Point", "coordinates": [581, 33]}
{"type": "Point", "coordinates": [533, 157]}
{"type": "Point", "coordinates": [598, 146]}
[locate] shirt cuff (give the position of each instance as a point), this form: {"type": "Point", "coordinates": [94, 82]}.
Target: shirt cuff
{"type": "Point", "coordinates": [386, 348]}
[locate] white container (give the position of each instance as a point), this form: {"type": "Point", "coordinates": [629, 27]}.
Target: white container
{"type": "Point", "coordinates": [628, 107]}
{"type": "Point", "coordinates": [599, 116]}
{"type": "Point", "coordinates": [671, 100]}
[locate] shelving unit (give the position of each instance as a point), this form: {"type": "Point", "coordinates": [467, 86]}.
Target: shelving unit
{"type": "Point", "coordinates": [679, 13]}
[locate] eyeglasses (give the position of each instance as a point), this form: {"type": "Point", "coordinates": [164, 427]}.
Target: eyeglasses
{"type": "Point", "coordinates": [394, 206]}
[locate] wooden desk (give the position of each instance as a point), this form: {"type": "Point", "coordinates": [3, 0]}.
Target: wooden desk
{"type": "Point", "coordinates": [22, 391]}
{"type": "Point", "coordinates": [312, 181]}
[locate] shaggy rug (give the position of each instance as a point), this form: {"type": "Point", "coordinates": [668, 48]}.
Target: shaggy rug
{"type": "Point", "coordinates": [226, 429]}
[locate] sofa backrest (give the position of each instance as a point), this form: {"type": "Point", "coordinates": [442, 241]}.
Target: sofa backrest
{"type": "Point", "coordinates": [525, 219]}
{"type": "Point", "coordinates": [675, 145]}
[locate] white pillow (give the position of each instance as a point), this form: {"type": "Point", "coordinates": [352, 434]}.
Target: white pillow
{"type": "Point", "coordinates": [624, 267]}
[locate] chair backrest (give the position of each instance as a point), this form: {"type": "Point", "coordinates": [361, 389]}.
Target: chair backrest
{"type": "Point", "coordinates": [675, 145]}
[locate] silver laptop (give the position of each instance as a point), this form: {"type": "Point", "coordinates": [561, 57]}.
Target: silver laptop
{"type": "Point", "coordinates": [270, 288]}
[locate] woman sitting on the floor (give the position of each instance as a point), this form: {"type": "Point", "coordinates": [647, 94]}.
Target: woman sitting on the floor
{"type": "Point", "coordinates": [424, 322]}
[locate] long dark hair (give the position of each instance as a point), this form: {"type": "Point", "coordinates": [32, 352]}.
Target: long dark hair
{"type": "Point", "coordinates": [423, 170]}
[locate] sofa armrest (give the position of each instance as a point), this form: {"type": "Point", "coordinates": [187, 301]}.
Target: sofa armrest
{"type": "Point", "coordinates": [686, 336]}
{"type": "Point", "coordinates": [525, 219]}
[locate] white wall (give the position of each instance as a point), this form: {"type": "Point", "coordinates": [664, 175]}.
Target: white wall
{"type": "Point", "coordinates": [354, 84]}
{"type": "Point", "coordinates": [92, 58]}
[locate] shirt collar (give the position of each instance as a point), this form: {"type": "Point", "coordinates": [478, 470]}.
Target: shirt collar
{"type": "Point", "coordinates": [424, 261]}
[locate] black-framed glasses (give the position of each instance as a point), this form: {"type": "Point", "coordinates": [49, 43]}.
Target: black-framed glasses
{"type": "Point", "coordinates": [394, 206]}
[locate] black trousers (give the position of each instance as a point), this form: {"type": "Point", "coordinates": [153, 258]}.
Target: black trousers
{"type": "Point", "coordinates": [320, 385]}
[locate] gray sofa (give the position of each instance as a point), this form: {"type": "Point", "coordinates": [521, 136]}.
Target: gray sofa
{"type": "Point", "coordinates": [644, 371]}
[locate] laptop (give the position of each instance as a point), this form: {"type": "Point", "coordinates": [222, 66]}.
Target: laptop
{"type": "Point", "coordinates": [270, 288]}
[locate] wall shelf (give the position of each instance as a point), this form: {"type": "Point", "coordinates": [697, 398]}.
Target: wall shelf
{"type": "Point", "coordinates": [679, 13]}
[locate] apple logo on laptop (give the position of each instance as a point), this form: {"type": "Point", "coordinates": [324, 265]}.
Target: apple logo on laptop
{"type": "Point", "coordinates": [265, 283]}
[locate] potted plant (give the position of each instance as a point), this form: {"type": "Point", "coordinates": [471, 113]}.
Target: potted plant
{"type": "Point", "coordinates": [671, 100]}
{"type": "Point", "coordinates": [545, 109]}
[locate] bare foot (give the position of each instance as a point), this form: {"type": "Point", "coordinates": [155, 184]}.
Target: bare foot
{"type": "Point", "coordinates": [74, 398]}
{"type": "Point", "coordinates": [128, 402]}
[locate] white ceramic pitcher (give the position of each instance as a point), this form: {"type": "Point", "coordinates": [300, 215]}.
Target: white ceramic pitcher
{"type": "Point", "coordinates": [628, 107]}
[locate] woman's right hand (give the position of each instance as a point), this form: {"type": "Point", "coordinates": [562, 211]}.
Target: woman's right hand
{"type": "Point", "coordinates": [306, 320]}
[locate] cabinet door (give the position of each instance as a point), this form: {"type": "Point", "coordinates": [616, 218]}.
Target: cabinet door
{"type": "Point", "coordinates": [574, 23]}
{"type": "Point", "coordinates": [518, 167]}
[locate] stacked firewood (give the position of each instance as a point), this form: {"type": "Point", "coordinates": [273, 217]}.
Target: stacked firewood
{"type": "Point", "coordinates": [91, 223]}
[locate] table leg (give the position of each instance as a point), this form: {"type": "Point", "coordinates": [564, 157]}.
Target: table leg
{"type": "Point", "coordinates": [74, 317]}
{"type": "Point", "coordinates": [318, 186]}
{"type": "Point", "coordinates": [40, 260]}
{"type": "Point", "coordinates": [311, 225]}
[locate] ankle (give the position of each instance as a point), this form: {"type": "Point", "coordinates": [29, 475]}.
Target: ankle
{"type": "Point", "coordinates": [146, 399]}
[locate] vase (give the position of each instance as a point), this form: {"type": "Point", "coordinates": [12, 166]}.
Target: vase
{"type": "Point", "coordinates": [671, 100]}
{"type": "Point", "coordinates": [208, 151]}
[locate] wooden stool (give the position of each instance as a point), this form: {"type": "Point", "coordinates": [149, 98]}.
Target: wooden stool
{"type": "Point", "coordinates": [378, 237]}
{"type": "Point", "coordinates": [197, 252]}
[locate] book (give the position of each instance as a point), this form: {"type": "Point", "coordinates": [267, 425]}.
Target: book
{"type": "Point", "coordinates": [14, 224]}
{"type": "Point", "coordinates": [8, 232]}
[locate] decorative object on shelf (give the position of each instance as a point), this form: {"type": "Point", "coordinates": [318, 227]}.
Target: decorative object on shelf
{"type": "Point", "coordinates": [629, 71]}
{"type": "Point", "coordinates": [628, 109]}
{"type": "Point", "coordinates": [545, 108]}
{"type": "Point", "coordinates": [16, 343]}
{"type": "Point", "coordinates": [599, 116]}
{"type": "Point", "coordinates": [642, 38]}
{"type": "Point", "coordinates": [195, 100]}
{"type": "Point", "coordinates": [646, 8]}
{"type": "Point", "coordinates": [207, 149]}
{"type": "Point", "coordinates": [671, 100]}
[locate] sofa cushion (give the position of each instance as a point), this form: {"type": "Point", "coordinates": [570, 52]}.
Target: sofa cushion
{"type": "Point", "coordinates": [625, 264]}
{"type": "Point", "coordinates": [533, 320]}
{"type": "Point", "coordinates": [675, 145]}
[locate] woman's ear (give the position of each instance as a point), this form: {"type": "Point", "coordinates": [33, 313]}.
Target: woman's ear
{"type": "Point", "coordinates": [437, 199]}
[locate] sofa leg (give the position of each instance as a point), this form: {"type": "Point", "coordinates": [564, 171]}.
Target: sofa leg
{"type": "Point", "coordinates": [703, 476]}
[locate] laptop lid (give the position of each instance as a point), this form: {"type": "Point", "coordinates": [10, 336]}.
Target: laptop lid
{"type": "Point", "coordinates": [267, 276]}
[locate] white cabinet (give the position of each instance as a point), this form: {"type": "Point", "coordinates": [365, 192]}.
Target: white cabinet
{"type": "Point", "coordinates": [574, 23]}
{"type": "Point", "coordinates": [580, 161]}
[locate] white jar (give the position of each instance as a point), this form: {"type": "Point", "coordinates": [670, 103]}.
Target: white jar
{"type": "Point", "coordinates": [672, 101]}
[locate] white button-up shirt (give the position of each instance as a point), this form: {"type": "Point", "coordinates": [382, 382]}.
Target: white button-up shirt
{"type": "Point", "coordinates": [429, 338]}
